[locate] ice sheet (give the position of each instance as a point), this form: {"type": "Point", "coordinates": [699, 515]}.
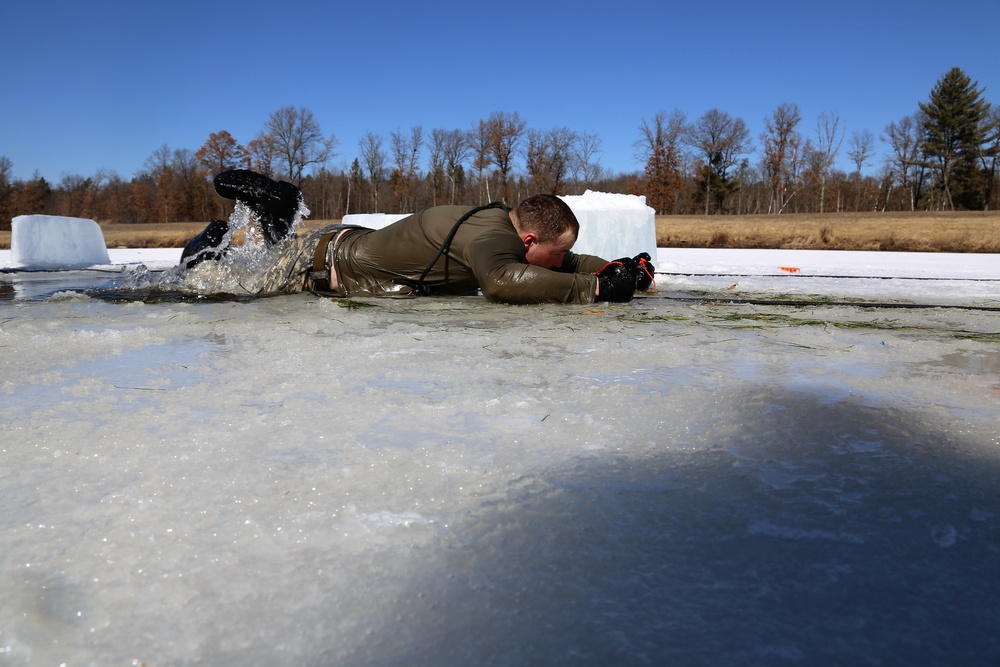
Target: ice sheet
{"type": "Point", "coordinates": [920, 278]}
{"type": "Point", "coordinates": [298, 480]}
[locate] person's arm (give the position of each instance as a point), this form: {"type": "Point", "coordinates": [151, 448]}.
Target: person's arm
{"type": "Point", "coordinates": [504, 277]}
{"type": "Point", "coordinates": [523, 283]}
{"type": "Point", "coordinates": [574, 263]}
{"type": "Point", "coordinates": [643, 268]}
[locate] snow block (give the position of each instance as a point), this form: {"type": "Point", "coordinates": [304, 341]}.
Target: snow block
{"type": "Point", "coordinates": [56, 242]}
{"type": "Point", "coordinates": [613, 225]}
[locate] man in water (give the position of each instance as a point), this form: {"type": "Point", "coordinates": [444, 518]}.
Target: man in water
{"type": "Point", "coordinates": [522, 255]}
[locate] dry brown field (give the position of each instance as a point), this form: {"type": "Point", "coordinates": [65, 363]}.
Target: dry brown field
{"type": "Point", "coordinates": [974, 231]}
{"type": "Point", "coordinates": [157, 235]}
{"type": "Point", "coordinates": [916, 232]}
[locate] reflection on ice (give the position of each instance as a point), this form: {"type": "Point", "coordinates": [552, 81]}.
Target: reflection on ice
{"type": "Point", "coordinates": [298, 480]}
{"type": "Point", "coordinates": [42, 284]}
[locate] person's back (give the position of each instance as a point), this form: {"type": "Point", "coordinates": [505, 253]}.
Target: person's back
{"type": "Point", "coordinates": [391, 260]}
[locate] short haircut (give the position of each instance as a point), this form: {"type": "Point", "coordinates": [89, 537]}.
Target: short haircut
{"type": "Point", "coordinates": [548, 216]}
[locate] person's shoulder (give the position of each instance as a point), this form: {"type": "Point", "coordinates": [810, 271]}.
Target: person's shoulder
{"type": "Point", "coordinates": [448, 208]}
{"type": "Point", "coordinates": [476, 215]}
{"type": "Point", "coordinates": [462, 209]}
{"type": "Point", "coordinates": [443, 212]}
{"type": "Point", "coordinates": [494, 212]}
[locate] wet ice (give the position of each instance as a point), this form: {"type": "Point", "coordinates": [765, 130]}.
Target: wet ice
{"type": "Point", "coordinates": [681, 479]}
{"type": "Point", "coordinates": [305, 480]}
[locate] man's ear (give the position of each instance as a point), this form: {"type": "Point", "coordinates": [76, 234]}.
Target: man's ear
{"type": "Point", "coordinates": [529, 239]}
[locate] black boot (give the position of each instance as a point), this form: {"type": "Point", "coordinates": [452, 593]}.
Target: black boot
{"type": "Point", "coordinates": [207, 245]}
{"type": "Point", "coordinates": [273, 202]}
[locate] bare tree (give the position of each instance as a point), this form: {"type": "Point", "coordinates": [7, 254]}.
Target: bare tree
{"type": "Point", "coordinates": [115, 198]}
{"type": "Point", "coordinates": [781, 144]}
{"type": "Point", "coordinates": [31, 196]}
{"type": "Point", "coordinates": [73, 188]}
{"type": "Point", "coordinates": [435, 170]}
{"type": "Point", "coordinates": [298, 141]}
{"type": "Point", "coordinates": [158, 170]}
{"type": "Point", "coordinates": [904, 139]}
{"type": "Point", "coordinates": [548, 158]}
{"type": "Point", "coordinates": [886, 182]}
{"type": "Point", "coordinates": [659, 147]}
{"type": "Point", "coordinates": [449, 149]}
{"type": "Point", "coordinates": [374, 160]}
{"type": "Point", "coordinates": [455, 151]}
{"type": "Point", "coordinates": [721, 140]}
{"type": "Point", "coordinates": [990, 154]}
{"type": "Point", "coordinates": [860, 149]}
{"type": "Point", "coordinates": [406, 160]}
{"type": "Point", "coordinates": [175, 189]}
{"type": "Point", "coordinates": [504, 133]}
{"type": "Point", "coordinates": [561, 142]}
{"type": "Point", "coordinates": [482, 156]}
{"type": "Point", "coordinates": [262, 154]}
{"type": "Point", "coordinates": [535, 158]}
{"type": "Point", "coordinates": [94, 198]}
{"type": "Point", "coordinates": [190, 185]}
{"type": "Point", "coordinates": [829, 136]}
{"type": "Point", "coordinates": [584, 159]}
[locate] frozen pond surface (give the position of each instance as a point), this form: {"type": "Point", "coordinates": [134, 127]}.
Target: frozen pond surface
{"type": "Point", "coordinates": [299, 480]}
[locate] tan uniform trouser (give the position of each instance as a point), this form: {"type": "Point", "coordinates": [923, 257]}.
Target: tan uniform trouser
{"type": "Point", "coordinates": [293, 269]}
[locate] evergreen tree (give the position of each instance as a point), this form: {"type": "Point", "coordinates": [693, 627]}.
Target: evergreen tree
{"type": "Point", "coordinates": [954, 134]}
{"type": "Point", "coordinates": [713, 185]}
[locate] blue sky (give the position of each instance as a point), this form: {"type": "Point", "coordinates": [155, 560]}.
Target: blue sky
{"type": "Point", "coordinates": [104, 84]}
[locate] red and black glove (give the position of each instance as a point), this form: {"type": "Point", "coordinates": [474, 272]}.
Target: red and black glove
{"type": "Point", "coordinates": [644, 278]}
{"type": "Point", "coordinates": [617, 280]}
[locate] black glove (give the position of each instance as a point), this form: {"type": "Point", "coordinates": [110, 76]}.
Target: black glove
{"type": "Point", "coordinates": [646, 270]}
{"type": "Point", "coordinates": [617, 280]}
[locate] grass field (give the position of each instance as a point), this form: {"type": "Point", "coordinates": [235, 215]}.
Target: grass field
{"type": "Point", "coordinates": [911, 232]}
{"type": "Point", "coordinates": [915, 232]}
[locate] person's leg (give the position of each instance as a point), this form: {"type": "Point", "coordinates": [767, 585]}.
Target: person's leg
{"type": "Point", "coordinates": [208, 245]}
{"type": "Point", "coordinates": [275, 203]}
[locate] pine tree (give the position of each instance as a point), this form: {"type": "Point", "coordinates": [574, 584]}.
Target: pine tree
{"type": "Point", "coordinates": [954, 134]}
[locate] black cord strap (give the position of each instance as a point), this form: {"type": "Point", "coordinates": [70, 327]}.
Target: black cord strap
{"type": "Point", "coordinates": [419, 286]}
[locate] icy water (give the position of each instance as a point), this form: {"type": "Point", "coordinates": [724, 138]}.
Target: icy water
{"type": "Point", "coordinates": [305, 481]}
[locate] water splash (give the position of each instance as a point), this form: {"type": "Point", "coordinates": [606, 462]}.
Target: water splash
{"type": "Point", "coordinates": [238, 271]}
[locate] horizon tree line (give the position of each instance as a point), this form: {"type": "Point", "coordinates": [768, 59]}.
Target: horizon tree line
{"type": "Point", "coordinates": [942, 157]}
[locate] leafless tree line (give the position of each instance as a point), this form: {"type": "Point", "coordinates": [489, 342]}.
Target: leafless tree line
{"type": "Point", "coordinates": [706, 166]}
{"type": "Point", "coordinates": [388, 174]}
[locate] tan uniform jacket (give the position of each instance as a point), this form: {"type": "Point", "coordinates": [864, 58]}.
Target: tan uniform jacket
{"type": "Point", "coordinates": [485, 254]}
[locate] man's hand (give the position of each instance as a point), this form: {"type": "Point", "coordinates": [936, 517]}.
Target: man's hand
{"type": "Point", "coordinates": [617, 280]}
{"type": "Point", "coordinates": [644, 277]}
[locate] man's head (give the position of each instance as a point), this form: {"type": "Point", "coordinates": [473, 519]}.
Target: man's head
{"type": "Point", "coordinates": [548, 228]}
